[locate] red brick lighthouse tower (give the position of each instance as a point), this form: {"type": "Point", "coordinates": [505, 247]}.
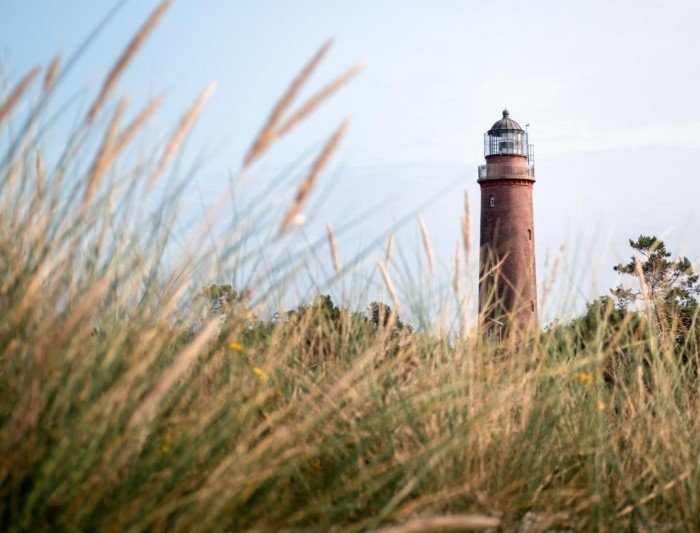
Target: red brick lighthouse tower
{"type": "Point", "coordinates": [507, 283]}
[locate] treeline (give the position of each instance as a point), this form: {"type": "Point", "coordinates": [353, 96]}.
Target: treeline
{"type": "Point", "coordinates": [658, 298]}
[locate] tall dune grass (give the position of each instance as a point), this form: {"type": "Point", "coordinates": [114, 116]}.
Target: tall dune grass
{"type": "Point", "coordinates": [130, 400]}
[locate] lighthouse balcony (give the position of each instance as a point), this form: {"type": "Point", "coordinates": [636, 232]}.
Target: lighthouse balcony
{"type": "Point", "coordinates": [504, 171]}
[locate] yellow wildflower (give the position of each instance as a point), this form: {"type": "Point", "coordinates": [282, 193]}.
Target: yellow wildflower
{"type": "Point", "coordinates": [602, 405]}
{"type": "Point", "coordinates": [167, 440]}
{"type": "Point", "coordinates": [236, 346]}
{"type": "Point", "coordinates": [583, 377]}
{"type": "Point", "coordinates": [261, 373]}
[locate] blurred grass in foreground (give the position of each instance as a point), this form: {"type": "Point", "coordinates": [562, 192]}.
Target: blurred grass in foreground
{"type": "Point", "coordinates": [129, 400]}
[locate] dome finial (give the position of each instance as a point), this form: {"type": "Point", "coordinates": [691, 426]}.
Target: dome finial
{"type": "Point", "coordinates": [505, 124]}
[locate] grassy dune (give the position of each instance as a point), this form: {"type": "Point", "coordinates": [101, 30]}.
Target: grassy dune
{"type": "Point", "coordinates": [130, 399]}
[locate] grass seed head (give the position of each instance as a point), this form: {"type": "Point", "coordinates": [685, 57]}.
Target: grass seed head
{"type": "Point", "coordinates": [125, 58]}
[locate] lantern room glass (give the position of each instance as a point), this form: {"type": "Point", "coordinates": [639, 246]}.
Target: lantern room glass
{"type": "Point", "coordinates": [505, 142]}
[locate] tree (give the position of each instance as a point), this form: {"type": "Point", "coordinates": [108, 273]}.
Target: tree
{"type": "Point", "coordinates": [220, 298]}
{"type": "Point", "coordinates": [380, 315]}
{"type": "Point", "coordinates": [603, 322]}
{"type": "Point", "coordinates": [668, 288]}
{"type": "Point", "coordinates": [600, 313]}
{"type": "Point", "coordinates": [321, 326]}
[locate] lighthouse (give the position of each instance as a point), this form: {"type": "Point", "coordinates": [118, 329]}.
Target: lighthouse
{"type": "Point", "coordinates": [507, 280]}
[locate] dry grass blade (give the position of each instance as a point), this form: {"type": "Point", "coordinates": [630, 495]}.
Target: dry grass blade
{"type": "Point", "coordinates": [334, 248]}
{"type": "Point", "coordinates": [178, 137]}
{"type": "Point", "coordinates": [467, 228]}
{"type": "Point", "coordinates": [17, 92]}
{"type": "Point", "coordinates": [126, 57]}
{"type": "Point", "coordinates": [269, 131]}
{"type": "Point", "coordinates": [128, 134]}
{"type": "Point", "coordinates": [551, 279]}
{"type": "Point", "coordinates": [52, 73]}
{"type": "Point", "coordinates": [105, 156]}
{"type": "Point", "coordinates": [146, 410]}
{"type": "Point", "coordinates": [308, 184]}
{"type": "Point", "coordinates": [40, 174]}
{"type": "Point", "coordinates": [113, 146]}
{"type": "Point", "coordinates": [465, 522]}
{"type": "Point", "coordinates": [426, 244]}
{"type": "Point", "coordinates": [389, 286]}
{"type": "Point", "coordinates": [627, 510]}
{"type": "Point", "coordinates": [316, 100]}
{"type": "Point", "coordinates": [87, 305]}
{"type": "Point", "coordinates": [457, 281]}
{"type": "Point", "coordinates": [389, 250]}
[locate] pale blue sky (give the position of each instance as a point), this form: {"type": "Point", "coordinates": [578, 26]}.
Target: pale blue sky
{"type": "Point", "coordinates": [609, 88]}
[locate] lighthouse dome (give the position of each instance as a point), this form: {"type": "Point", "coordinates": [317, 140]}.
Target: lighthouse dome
{"type": "Point", "coordinates": [505, 124]}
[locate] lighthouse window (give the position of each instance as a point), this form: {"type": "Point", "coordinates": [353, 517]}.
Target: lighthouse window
{"type": "Point", "coordinates": [492, 201]}
{"type": "Point", "coordinates": [529, 235]}
{"type": "Point", "coordinates": [532, 306]}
